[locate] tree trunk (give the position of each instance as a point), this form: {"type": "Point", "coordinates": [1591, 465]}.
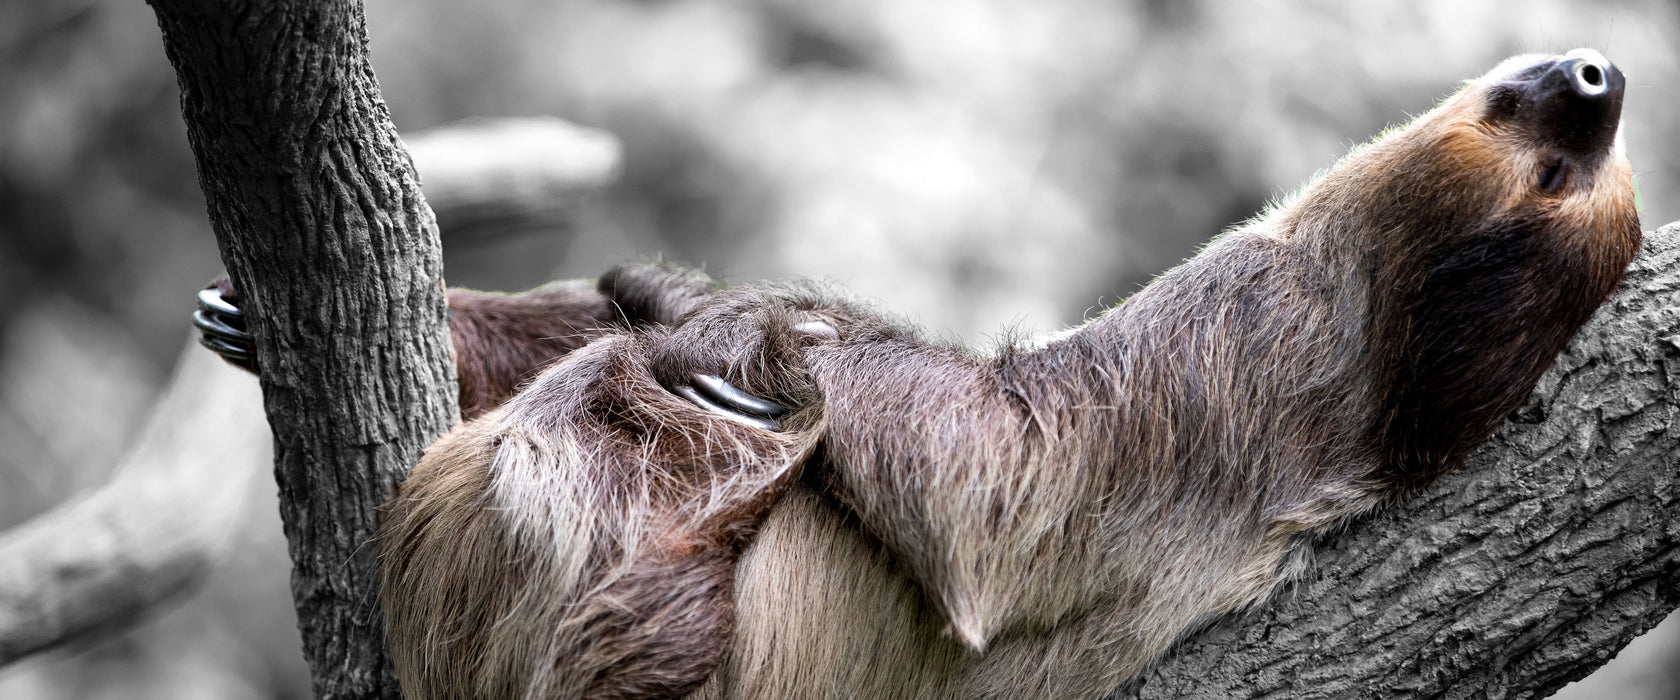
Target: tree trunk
{"type": "Point", "coordinates": [1509, 578]}
{"type": "Point", "coordinates": [321, 224]}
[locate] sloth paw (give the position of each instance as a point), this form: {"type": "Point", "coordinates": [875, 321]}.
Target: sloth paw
{"type": "Point", "coordinates": [712, 393]}
{"type": "Point", "coordinates": [717, 395]}
{"type": "Point", "coordinates": [221, 328]}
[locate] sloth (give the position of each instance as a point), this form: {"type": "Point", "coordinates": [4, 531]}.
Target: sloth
{"type": "Point", "coordinates": [668, 489]}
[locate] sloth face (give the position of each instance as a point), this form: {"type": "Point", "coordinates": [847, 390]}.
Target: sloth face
{"type": "Point", "coordinates": [1564, 108]}
{"type": "Point", "coordinates": [1531, 149]}
{"type": "Point", "coordinates": [1490, 228]}
{"type": "Point", "coordinates": [1537, 133]}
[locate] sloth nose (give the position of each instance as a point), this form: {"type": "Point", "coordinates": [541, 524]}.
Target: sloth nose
{"type": "Point", "coordinates": [1577, 102]}
{"type": "Point", "coordinates": [1589, 72]}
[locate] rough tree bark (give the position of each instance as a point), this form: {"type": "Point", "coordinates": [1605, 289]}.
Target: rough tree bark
{"type": "Point", "coordinates": [323, 230]}
{"type": "Point", "coordinates": [1556, 544]}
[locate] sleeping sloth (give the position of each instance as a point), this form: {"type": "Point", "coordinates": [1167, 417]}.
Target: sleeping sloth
{"type": "Point", "coordinates": [774, 491]}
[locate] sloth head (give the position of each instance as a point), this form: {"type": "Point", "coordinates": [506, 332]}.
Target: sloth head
{"type": "Point", "coordinates": [1485, 232]}
{"type": "Point", "coordinates": [1533, 144]}
{"type": "Point", "coordinates": [1560, 113]}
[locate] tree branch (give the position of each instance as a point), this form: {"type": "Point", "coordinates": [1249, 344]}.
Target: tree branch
{"type": "Point", "coordinates": [492, 177]}
{"type": "Point", "coordinates": [1521, 572]}
{"type": "Point", "coordinates": [153, 532]}
{"type": "Point", "coordinates": [324, 232]}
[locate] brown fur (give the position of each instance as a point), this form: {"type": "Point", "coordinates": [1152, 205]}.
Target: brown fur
{"type": "Point", "coordinates": [1040, 522]}
{"type": "Point", "coordinates": [640, 501]}
{"type": "Point", "coordinates": [502, 341]}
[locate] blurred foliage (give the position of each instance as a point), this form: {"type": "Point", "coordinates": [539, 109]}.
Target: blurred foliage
{"type": "Point", "coordinates": [978, 164]}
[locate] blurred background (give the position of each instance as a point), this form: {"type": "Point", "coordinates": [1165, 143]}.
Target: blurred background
{"type": "Point", "coordinates": [983, 166]}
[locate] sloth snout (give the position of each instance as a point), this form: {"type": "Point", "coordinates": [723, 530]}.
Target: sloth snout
{"type": "Point", "coordinates": [1580, 79]}
{"type": "Point", "coordinates": [1573, 103]}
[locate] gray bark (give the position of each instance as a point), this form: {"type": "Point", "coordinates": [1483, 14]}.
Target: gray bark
{"type": "Point", "coordinates": [1524, 570]}
{"type": "Point", "coordinates": [323, 230]}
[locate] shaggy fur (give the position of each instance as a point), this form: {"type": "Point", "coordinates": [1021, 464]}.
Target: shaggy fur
{"type": "Point", "coordinates": [581, 540]}
{"type": "Point", "coordinates": [503, 340]}
{"type": "Point", "coordinates": [1038, 522]}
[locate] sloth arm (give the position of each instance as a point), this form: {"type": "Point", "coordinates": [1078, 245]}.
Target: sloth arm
{"type": "Point", "coordinates": [939, 458]}
{"type": "Point", "coordinates": [501, 340]}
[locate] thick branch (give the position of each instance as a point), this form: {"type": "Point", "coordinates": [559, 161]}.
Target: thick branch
{"type": "Point", "coordinates": [1527, 569]}
{"type": "Point", "coordinates": [323, 230]}
{"type": "Point", "coordinates": [492, 177]}
{"type": "Point", "coordinates": [152, 533]}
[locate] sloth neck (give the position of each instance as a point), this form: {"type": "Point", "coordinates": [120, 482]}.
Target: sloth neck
{"type": "Point", "coordinates": [1188, 432]}
{"type": "Point", "coordinates": [1248, 365]}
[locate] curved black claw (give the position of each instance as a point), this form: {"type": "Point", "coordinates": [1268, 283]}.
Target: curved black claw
{"type": "Point", "coordinates": [712, 393]}
{"type": "Point", "coordinates": [221, 327]}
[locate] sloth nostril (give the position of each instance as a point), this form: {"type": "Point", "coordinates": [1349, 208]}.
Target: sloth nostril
{"type": "Point", "coordinates": [1590, 75]}
{"type": "Point", "coordinates": [1589, 72]}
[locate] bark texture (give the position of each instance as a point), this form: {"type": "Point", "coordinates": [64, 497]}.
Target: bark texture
{"type": "Point", "coordinates": [321, 224]}
{"type": "Point", "coordinates": [1528, 568]}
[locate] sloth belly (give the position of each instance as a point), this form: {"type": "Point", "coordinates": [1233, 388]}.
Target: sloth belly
{"type": "Point", "coordinates": [823, 611]}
